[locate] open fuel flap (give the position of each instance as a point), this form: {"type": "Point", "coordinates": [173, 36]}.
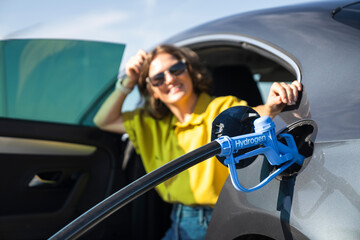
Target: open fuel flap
{"type": "Point", "coordinates": [304, 133]}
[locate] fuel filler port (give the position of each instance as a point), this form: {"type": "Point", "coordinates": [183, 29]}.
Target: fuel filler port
{"type": "Point", "coordinates": [304, 133]}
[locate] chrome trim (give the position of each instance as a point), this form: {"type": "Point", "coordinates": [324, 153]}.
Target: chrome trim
{"type": "Point", "coordinates": [12, 145]}
{"type": "Point", "coordinates": [238, 38]}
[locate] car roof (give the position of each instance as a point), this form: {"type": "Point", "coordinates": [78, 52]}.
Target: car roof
{"type": "Point", "coordinates": [325, 49]}
{"type": "Point", "coordinates": [264, 23]}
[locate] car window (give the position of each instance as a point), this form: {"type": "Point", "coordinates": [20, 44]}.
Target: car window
{"type": "Point", "coordinates": [55, 80]}
{"type": "Point", "coordinates": [348, 15]}
{"type": "Point", "coordinates": [246, 71]}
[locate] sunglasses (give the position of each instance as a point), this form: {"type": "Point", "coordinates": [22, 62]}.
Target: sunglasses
{"type": "Point", "coordinates": [175, 70]}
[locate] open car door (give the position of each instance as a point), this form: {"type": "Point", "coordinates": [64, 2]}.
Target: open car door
{"type": "Point", "coordinates": [54, 163]}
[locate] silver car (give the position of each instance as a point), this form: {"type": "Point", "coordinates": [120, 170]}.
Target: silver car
{"type": "Point", "coordinates": [56, 165]}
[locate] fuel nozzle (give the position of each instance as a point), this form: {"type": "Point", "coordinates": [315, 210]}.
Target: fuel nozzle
{"type": "Point", "coordinates": [260, 139]}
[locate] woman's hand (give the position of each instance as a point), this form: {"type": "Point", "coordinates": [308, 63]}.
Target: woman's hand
{"type": "Point", "coordinates": [133, 68]}
{"type": "Point", "coordinates": [281, 94]}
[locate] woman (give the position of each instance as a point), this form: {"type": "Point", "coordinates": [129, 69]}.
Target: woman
{"type": "Point", "coordinates": [175, 119]}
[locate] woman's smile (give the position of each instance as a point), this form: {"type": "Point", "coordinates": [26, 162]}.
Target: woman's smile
{"type": "Point", "coordinates": [174, 88]}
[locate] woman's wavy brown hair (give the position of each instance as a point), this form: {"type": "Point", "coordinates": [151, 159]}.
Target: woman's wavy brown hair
{"type": "Point", "coordinates": [198, 74]}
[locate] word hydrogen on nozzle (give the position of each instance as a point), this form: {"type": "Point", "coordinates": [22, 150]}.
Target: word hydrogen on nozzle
{"type": "Point", "coordinates": [249, 142]}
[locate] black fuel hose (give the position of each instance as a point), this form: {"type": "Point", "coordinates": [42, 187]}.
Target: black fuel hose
{"type": "Point", "coordinates": [125, 195]}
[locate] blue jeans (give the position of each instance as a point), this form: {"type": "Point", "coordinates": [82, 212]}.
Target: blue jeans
{"type": "Point", "coordinates": [188, 222]}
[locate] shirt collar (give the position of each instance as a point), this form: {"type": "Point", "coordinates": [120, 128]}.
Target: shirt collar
{"type": "Point", "coordinates": [197, 117]}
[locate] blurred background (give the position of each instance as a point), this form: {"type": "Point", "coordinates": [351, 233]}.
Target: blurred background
{"type": "Point", "coordinates": [137, 23]}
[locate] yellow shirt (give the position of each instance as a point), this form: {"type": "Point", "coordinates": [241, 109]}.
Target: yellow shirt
{"type": "Point", "coordinates": [160, 141]}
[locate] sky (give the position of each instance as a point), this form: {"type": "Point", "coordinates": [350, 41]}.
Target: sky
{"type": "Point", "coordinates": [137, 23]}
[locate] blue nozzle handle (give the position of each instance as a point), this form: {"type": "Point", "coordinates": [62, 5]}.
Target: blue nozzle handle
{"type": "Point", "coordinates": [277, 153]}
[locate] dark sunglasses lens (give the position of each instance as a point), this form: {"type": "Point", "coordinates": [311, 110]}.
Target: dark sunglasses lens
{"type": "Point", "coordinates": [178, 68]}
{"type": "Point", "coordinates": [158, 79]}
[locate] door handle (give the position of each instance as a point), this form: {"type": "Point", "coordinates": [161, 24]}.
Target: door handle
{"type": "Point", "coordinates": [45, 179]}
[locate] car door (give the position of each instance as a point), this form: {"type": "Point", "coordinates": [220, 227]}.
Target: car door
{"type": "Point", "coordinates": [54, 164]}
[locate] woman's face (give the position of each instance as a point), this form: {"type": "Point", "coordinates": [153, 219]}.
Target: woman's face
{"type": "Point", "coordinates": [176, 89]}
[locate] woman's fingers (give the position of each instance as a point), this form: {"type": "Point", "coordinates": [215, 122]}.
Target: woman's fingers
{"type": "Point", "coordinates": [134, 65]}
{"type": "Point", "coordinates": [285, 93]}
